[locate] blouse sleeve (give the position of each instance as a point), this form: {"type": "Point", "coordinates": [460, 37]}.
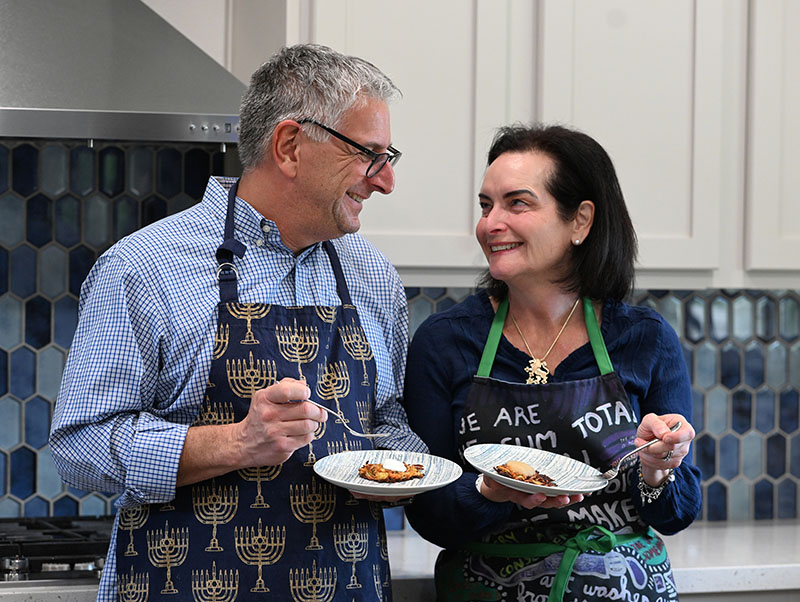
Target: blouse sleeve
{"type": "Point", "coordinates": [435, 373]}
{"type": "Point", "coordinates": [670, 392]}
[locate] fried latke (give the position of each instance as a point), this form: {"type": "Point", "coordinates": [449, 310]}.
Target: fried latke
{"type": "Point", "coordinates": [519, 471]}
{"type": "Point", "coordinates": [376, 472]}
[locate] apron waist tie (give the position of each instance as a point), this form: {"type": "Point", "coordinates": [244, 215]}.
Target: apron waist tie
{"type": "Point", "coordinates": [582, 541]}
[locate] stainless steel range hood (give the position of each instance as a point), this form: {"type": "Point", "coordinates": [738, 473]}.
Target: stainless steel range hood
{"type": "Point", "coordinates": [108, 69]}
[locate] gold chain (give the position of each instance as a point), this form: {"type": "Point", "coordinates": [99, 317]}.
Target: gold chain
{"type": "Point", "coordinates": [537, 368]}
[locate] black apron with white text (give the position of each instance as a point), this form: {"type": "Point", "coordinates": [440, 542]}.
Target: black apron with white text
{"type": "Point", "coordinates": [268, 532]}
{"type": "Point", "coordinates": [608, 553]}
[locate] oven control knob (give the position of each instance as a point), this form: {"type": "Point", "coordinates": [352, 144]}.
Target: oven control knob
{"type": "Point", "coordinates": [18, 564]}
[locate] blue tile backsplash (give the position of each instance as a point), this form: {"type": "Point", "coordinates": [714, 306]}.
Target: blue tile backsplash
{"type": "Point", "coordinates": [63, 203]}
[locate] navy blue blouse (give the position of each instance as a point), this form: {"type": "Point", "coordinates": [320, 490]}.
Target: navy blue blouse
{"type": "Point", "coordinates": [442, 359]}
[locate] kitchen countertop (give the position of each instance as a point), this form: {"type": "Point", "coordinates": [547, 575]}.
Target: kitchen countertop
{"type": "Point", "coordinates": [706, 558]}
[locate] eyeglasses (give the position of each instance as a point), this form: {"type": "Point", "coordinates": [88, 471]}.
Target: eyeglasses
{"type": "Point", "coordinates": [378, 160]}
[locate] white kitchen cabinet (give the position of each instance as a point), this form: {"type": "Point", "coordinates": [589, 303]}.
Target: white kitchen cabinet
{"type": "Point", "coordinates": [773, 178]}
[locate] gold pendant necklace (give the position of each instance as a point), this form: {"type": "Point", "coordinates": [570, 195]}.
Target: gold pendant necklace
{"type": "Point", "coordinates": [537, 368]}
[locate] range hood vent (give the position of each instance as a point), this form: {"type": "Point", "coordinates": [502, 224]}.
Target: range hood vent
{"type": "Point", "coordinates": [109, 69]}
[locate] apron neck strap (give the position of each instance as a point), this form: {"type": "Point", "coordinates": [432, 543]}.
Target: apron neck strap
{"type": "Point", "coordinates": [341, 284]}
{"type": "Point", "coordinates": [226, 270]}
{"type": "Point", "coordinates": [496, 331]}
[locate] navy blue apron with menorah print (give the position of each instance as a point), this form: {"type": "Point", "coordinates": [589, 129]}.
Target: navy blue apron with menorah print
{"type": "Point", "coordinates": [269, 532]}
{"type": "Point", "coordinates": [593, 551]}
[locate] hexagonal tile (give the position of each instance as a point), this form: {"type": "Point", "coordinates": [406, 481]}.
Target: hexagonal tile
{"type": "Point", "coordinates": [97, 222]}
{"type": "Point", "coordinates": [196, 172]}
{"type": "Point", "coordinates": [716, 500]}
{"type": "Point", "coordinates": [81, 170]}
{"type": "Point", "coordinates": [794, 365]}
{"type": "Point", "coordinates": [729, 457]}
{"type": "Point", "coordinates": [754, 365]}
{"type": "Point", "coordinates": [52, 271]}
{"type": "Point", "coordinates": [789, 318]}
{"type": "Point", "coordinates": [179, 203]}
{"type": "Point", "coordinates": [4, 268]}
{"type": "Point", "coordinates": [65, 506]}
{"type": "Point", "coordinates": [730, 365]}
{"type": "Point", "coordinates": [706, 368]}
{"type": "Point", "coordinates": [776, 455]}
{"type": "Point", "coordinates": [22, 364]}
{"type": "Point", "coordinates": [766, 318]}
{"type": "Point", "coordinates": [53, 175]}
{"type": "Point", "coordinates": [763, 492]}
{"type": "Point", "coordinates": [66, 320]}
{"type": "Point", "coordinates": [11, 419]}
{"type": "Point", "coordinates": [794, 455]}
{"type": "Point", "coordinates": [787, 499]}
{"type": "Point", "coordinates": [688, 359]}
{"type": "Point", "coordinates": [752, 455]}
{"type": "Point", "coordinates": [81, 260]}
{"type": "Point", "coordinates": [765, 410]}
{"type": "Point", "coordinates": [48, 482]}
{"type": "Point", "coordinates": [741, 411]}
{"type": "Point", "coordinates": [10, 508]}
{"type": "Point", "coordinates": [50, 365]}
{"type": "Point", "coordinates": [3, 372]}
{"type": "Point", "coordinates": [717, 411]}
{"type": "Point", "coordinates": [168, 172]}
{"type": "Point", "coordinates": [443, 304]}
{"type": "Point", "coordinates": [412, 292]}
{"type": "Point", "coordinates": [671, 309]}
{"type": "Point", "coordinates": [68, 221]}
{"type": "Point", "coordinates": [140, 171]}
{"type": "Point", "coordinates": [789, 409]}
{"type": "Point", "coordinates": [22, 272]}
{"type": "Point", "coordinates": [126, 216]}
{"type": "Point", "coordinates": [743, 326]}
{"type": "Point", "coordinates": [112, 171]}
{"type": "Point", "coordinates": [37, 507]}
{"type": "Point", "coordinates": [153, 209]}
{"type": "Point", "coordinates": [37, 422]}
{"type": "Point", "coordinates": [4, 169]}
{"type": "Point", "coordinates": [718, 319]}
{"type": "Point", "coordinates": [418, 311]}
{"type": "Point", "coordinates": [94, 505]}
{"type": "Point", "coordinates": [740, 500]}
{"type": "Point", "coordinates": [37, 322]}
{"type": "Point", "coordinates": [10, 322]}
{"type": "Point", "coordinates": [12, 220]}
{"type": "Point", "coordinates": [695, 329]}
{"type": "Point", "coordinates": [24, 169]}
{"type": "Point", "coordinates": [705, 455]}
{"type": "Point", "coordinates": [776, 364]}
{"type": "Point", "coordinates": [698, 410]}
{"type": "Point", "coordinates": [22, 463]}
{"type": "Point", "coordinates": [434, 293]}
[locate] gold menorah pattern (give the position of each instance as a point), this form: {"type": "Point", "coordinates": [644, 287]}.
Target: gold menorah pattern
{"type": "Point", "coordinates": [333, 382]}
{"type": "Point", "coordinates": [248, 312]}
{"type": "Point", "coordinates": [167, 549]}
{"type": "Point", "coordinates": [308, 586]}
{"type": "Point", "coordinates": [383, 544]}
{"type": "Point", "coordinates": [376, 580]}
{"type": "Point", "coordinates": [221, 340]}
{"type": "Point", "coordinates": [214, 412]}
{"type": "Point", "coordinates": [298, 344]}
{"type": "Point", "coordinates": [134, 587]}
{"type": "Point", "coordinates": [131, 519]}
{"type": "Point", "coordinates": [260, 474]}
{"type": "Point", "coordinates": [213, 587]}
{"type": "Point", "coordinates": [214, 506]}
{"type": "Point", "coordinates": [351, 545]}
{"type": "Point", "coordinates": [259, 547]}
{"type": "Point", "coordinates": [357, 346]}
{"type": "Point", "coordinates": [337, 447]}
{"type": "Point", "coordinates": [245, 378]}
{"type": "Point", "coordinates": [325, 313]}
{"type": "Point", "coordinates": [364, 409]}
{"type": "Point", "coordinates": [318, 433]}
{"type": "Point", "coordinates": [312, 506]}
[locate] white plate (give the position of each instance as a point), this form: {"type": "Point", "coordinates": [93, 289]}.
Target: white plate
{"type": "Point", "coordinates": [571, 476]}
{"type": "Point", "coordinates": [342, 469]}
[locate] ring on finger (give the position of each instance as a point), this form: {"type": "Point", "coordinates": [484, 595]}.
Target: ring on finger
{"type": "Point", "coordinates": [668, 457]}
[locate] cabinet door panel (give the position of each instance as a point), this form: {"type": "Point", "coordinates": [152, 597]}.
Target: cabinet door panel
{"type": "Point", "coordinates": [646, 79]}
{"type": "Point", "coordinates": [773, 178]}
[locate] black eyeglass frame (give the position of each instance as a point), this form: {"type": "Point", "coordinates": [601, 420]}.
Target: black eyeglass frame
{"type": "Point", "coordinates": [392, 156]}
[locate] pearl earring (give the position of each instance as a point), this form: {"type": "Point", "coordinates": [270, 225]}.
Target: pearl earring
{"type": "Point", "coordinates": [577, 241]}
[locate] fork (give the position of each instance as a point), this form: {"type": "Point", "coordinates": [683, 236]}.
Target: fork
{"type": "Point", "coordinates": [344, 421]}
{"type": "Point", "coordinates": [614, 470]}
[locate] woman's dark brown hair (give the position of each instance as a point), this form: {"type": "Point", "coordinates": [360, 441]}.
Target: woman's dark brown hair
{"type": "Point", "coordinates": [601, 266]}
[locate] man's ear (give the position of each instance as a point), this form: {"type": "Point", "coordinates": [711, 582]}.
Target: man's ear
{"type": "Point", "coordinates": [284, 147]}
{"type": "Point", "coordinates": [582, 222]}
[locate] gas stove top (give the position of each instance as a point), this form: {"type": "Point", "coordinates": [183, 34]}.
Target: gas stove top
{"type": "Point", "coordinates": [35, 549]}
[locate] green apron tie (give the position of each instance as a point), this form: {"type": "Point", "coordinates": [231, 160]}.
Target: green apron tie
{"type": "Point", "coordinates": [582, 541]}
{"type": "Point", "coordinates": [592, 328]}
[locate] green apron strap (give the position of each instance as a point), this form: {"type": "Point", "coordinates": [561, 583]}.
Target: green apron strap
{"type": "Point", "coordinates": [493, 340]}
{"type": "Point", "coordinates": [582, 541]}
{"type": "Point", "coordinates": [596, 338]}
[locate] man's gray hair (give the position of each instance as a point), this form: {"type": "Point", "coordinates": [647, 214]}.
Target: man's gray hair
{"type": "Point", "coordinates": [306, 81]}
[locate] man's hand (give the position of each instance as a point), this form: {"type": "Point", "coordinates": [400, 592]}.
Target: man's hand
{"type": "Point", "coordinates": [276, 425]}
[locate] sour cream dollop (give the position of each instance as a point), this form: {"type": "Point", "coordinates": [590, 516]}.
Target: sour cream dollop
{"type": "Point", "coordinates": [395, 465]}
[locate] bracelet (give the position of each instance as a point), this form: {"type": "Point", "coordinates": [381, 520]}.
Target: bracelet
{"type": "Point", "coordinates": [479, 482]}
{"type": "Point", "coordinates": [650, 494]}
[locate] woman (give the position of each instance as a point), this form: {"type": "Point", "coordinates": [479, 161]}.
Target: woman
{"type": "Point", "coordinates": [523, 362]}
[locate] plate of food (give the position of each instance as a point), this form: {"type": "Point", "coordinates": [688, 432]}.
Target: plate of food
{"type": "Point", "coordinates": [387, 472]}
{"type": "Point", "coordinates": [533, 470]}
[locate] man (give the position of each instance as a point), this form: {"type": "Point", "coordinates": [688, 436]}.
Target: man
{"type": "Point", "coordinates": [199, 337]}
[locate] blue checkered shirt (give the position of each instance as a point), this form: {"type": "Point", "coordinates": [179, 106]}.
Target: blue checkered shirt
{"type": "Point", "coordinates": [139, 362]}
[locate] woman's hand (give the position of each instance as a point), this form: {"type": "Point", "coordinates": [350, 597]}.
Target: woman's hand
{"type": "Point", "coordinates": [497, 492]}
{"type": "Point", "coordinates": [657, 459]}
